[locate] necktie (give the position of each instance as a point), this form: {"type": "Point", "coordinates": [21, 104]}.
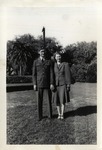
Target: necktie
{"type": "Point", "coordinates": [42, 60]}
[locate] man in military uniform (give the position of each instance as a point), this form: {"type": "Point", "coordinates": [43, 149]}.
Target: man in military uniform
{"type": "Point", "coordinates": [43, 81]}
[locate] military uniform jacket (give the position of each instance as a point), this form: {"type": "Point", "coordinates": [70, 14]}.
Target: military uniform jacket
{"type": "Point", "coordinates": [42, 73]}
{"type": "Point", "coordinates": [62, 74]}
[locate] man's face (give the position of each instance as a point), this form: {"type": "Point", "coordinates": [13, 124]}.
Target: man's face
{"type": "Point", "coordinates": [42, 53]}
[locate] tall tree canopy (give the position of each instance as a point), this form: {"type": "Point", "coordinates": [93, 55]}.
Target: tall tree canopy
{"type": "Point", "coordinates": [81, 56]}
{"type": "Point", "coordinates": [20, 51]}
{"type": "Point", "coordinates": [23, 50]}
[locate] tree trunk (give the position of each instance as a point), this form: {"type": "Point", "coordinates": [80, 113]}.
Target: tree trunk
{"type": "Point", "coordinates": [20, 71]}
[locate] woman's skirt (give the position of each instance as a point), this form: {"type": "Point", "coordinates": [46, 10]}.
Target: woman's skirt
{"type": "Point", "coordinates": [60, 95]}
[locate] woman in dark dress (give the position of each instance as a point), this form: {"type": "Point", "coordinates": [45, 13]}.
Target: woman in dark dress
{"type": "Point", "coordinates": [62, 84]}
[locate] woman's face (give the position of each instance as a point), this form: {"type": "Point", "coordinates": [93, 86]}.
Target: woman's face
{"type": "Point", "coordinates": [58, 57]}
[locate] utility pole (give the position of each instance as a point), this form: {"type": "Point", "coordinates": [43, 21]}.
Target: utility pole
{"type": "Point", "coordinates": [43, 30]}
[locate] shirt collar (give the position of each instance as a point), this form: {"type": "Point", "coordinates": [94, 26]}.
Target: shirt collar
{"type": "Point", "coordinates": [58, 63]}
{"type": "Point", "coordinates": [42, 58]}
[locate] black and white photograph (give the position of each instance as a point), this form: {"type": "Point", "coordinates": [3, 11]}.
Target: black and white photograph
{"type": "Point", "coordinates": [51, 75]}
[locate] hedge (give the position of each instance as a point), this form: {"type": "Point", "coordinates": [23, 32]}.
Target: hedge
{"type": "Point", "coordinates": [18, 79]}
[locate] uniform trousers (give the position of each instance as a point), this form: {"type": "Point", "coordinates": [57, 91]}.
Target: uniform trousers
{"type": "Point", "coordinates": [44, 93]}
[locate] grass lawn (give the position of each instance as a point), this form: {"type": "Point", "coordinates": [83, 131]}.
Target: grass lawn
{"type": "Point", "coordinates": [78, 127]}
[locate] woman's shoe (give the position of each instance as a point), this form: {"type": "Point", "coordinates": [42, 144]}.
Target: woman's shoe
{"type": "Point", "coordinates": [62, 117]}
{"type": "Point", "coordinates": [59, 116]}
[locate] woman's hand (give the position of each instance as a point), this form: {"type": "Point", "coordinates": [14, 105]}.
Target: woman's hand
{"type": "Point", "coordinates": [52, 87]}
{"type": "Point", "coordinates": [35, 88]}
{"type": "Point", "coordinates": [68, 87]}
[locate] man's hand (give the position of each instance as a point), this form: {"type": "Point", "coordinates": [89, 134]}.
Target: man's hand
{"type": "Point", "coordinates": [68, 87]}
{"type": "Point", "coordinates": [52, 87]}
{"type": "Point", "coordinates": [35, 88]}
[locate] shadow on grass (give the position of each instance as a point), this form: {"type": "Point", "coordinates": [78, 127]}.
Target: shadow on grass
{"type": "Point", "coordinates": [82, 111]}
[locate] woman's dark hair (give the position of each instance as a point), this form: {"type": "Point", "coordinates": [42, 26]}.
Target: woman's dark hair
{"type": "Point", "coordinates": [57, 53]}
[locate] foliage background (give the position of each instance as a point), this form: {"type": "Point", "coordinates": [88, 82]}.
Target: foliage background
{"type": "Point", "coordinates": [81, 56]}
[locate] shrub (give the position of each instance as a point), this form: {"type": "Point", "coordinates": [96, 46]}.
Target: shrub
{"type": "Point", "coordinates": [92, 73]}
{"type": "Point", "coordinates": [19, 79]}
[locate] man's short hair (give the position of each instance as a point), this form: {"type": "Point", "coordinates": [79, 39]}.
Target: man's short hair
{"type": "Point", "coordinates": [41, 49]}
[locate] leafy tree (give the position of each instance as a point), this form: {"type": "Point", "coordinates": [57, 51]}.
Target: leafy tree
{"type": "Point", "coordinates": [23, 50]}
{"type": "Point", "coordinates": [51, 45]}
{"type": "Point", "coordinates": [92, 72]}
{"type": "Point", "coordinates": [81, 55]}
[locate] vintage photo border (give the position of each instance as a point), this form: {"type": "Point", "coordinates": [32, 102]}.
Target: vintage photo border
{"type": "Point", "coordinates": [49, 3]}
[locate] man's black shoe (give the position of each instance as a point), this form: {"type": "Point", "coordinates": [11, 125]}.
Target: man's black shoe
{"type": "Point", "coordinates": [39, 119]}
{"type": "Point", "coordinates": [50, 117]}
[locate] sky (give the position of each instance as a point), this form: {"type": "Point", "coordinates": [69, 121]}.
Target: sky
{"type": "Point", "coordinates": [67, 24]}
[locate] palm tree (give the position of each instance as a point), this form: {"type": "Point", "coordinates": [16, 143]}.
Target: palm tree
{"type": "Point", "coordinates": [20, 50]}
{"type": "Point", "coordinates": [23, 50]}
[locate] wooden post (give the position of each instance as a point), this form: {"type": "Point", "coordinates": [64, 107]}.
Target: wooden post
{"type": "Point", "coordinates": [43, 30]}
